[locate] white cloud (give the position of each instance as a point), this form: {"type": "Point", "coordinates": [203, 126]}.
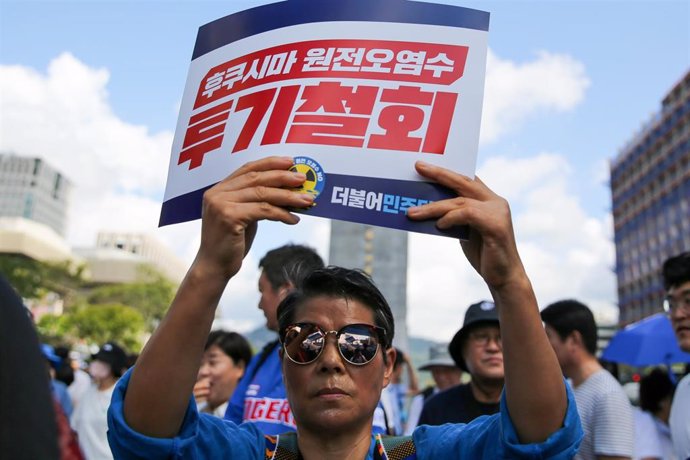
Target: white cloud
{"type": "Point", "coordinates": [65, 117]}
{"type": "Point", "coordinates": [567, 253]}
{"type": "Point", "coordinates": [513, 92]}
{"type": "Point", "coordinates": [441, 285]}
{"type": "Point", "coordinates": [119, 170]}
{"type": "Point", "coordinates": [512, 178]}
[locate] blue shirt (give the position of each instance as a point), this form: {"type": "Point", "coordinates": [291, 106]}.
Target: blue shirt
{"type": "Point", "coordinates": [205, 436]}
{"type": "Point", "coordinates": [61, 394]}
{"type": "Point", "coordinates": [260, 397]}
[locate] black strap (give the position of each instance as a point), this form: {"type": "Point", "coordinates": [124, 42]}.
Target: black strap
{"type": "Point", "coordinates": [284, 447]}
{"type": "Point", "coordinates": [428, 391]}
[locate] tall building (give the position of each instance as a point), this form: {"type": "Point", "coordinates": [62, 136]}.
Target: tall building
{"type": "Point", "coordinates": [650, 188]}
{"type": "Point", "coordinates": [382, 253]}
{"type": "Point", "coordinates": [32, 189]}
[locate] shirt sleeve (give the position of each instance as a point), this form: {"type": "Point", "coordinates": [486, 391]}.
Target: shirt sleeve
{"type": "Point", "coordinates": [414, 413]}
{"type": "Point", "coordinates": [76, 417]}
{"type": "Point", "coordinates": [647, 443]}
{"type": "Point", "coordinates": [426, 415]}
{"type": "Point", "coordinates": [680, 419]}
{"type": "Point", "coordinates": [201, 435]}
{"type": "Point", "coordinates": [494, 436]}
{"type": "Point", "coordinates": [612, 425]}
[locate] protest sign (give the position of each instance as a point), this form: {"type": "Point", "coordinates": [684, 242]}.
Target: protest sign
{"type": "Point", "coordinates": [355, 90]}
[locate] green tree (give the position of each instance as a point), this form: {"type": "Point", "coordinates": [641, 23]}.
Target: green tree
{"type": "Point", "coordinates": [55, 329]}
{"type": "Point", "coordinates": [34, 279]}
{"type": "Point", "coordinates": [98, 324]}
{"type": "Point", "coordinates": [121, 312]}
{"type": "Point", "coordinates": [151, 295]}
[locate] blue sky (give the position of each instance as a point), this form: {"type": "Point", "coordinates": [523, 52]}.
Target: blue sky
{"type": "Point", "coordinates": [610, 63]}
{"type": "Point", "coordinates": [633, 52]}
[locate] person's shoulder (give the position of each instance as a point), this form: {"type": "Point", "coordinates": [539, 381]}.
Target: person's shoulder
{"type": "Point", "coordinates": [265, 364]}
{"type": "Point", "coordinates": [684, 383]}
{"type": "Point", "coordinates": [59, 386]}
{"type": "Point", "coordinates": [92, 390]}
{"type": "Point", "coordinates": [606, 394]}
{"type": "Point", "coordinates": [600, 387]}
{"type": "Point", "coordinates": [682, 392]}
{"type": "Point", "coordinates": [462, 388]}
{"type": "Point", "coordinates": [603, 381]}
{"type": "Point", "coordinates": [643, 419]}
{"type": "Point", "coordinates": [452, 393]}
{"type": "Point", "coordinates": [427, 392]}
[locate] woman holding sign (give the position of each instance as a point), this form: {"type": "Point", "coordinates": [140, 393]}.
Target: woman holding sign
{"type": "Point", "coordinates": [336, 335]}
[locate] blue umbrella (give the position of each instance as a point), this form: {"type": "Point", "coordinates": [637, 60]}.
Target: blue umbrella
{"type": "Point", "coordinates": [648, 342]}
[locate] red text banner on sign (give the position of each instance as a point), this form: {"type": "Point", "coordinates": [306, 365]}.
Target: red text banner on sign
{"type": "Point", "coordinates": [406, 118]}
{"type": "Point", "coordinates": [402, 61]}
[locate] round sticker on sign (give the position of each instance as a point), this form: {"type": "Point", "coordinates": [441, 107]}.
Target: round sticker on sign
{"type": "Point", "coordinates": [316, 179]}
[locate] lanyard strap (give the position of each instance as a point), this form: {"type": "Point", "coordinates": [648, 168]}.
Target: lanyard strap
{"type": "Point", "coordinates": [284, 447]}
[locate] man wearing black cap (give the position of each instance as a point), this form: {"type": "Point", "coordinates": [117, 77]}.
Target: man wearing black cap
{"type": "Point", "coordinates": [476, 349]}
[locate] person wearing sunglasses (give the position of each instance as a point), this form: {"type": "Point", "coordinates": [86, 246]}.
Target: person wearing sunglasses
{"type": "Point", "coordinates": [676, 277]}
{"type": "Point", "coordinates": [336, 334]}
{"type": "Point", "coordinates": [261, 386]}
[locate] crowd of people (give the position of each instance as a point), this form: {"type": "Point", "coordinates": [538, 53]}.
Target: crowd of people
{"type": "Point", "coordinates": [513, 382]}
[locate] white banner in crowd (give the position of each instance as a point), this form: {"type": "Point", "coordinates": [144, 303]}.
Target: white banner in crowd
{"type": "Point", "coordinates": [355, 90]}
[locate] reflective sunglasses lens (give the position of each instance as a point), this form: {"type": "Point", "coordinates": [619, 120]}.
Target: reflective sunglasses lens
{"type": "Point", "coordinates": [303, 343]}
{"type": "Point", "coordinates": [358, 344]}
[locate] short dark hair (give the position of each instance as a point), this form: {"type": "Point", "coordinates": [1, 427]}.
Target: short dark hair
{"type": "Point", "coordinates": [233, 344]}
{"type": "Point", "coordinates": [342, 283]}
{"type": "Point", "coordinates": [567, 316]}
{"type": "Point", "coordinates": [654, 387]}
{"type": "Point", "coordinates": [289, 264]}
{"type": "Point", "coordinates": [399, 358]}
{"type": "Point", "coordinates": [676, 270]}
{"type": "Point", "coordinates": [64, 371]}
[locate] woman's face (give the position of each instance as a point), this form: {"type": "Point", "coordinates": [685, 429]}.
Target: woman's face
{"type": "Point", "coordinates": [100, 370]}
{"type": "Point", "coordinates": [222, 374]}
{"type": "Point", "coordinates": [330, 394]}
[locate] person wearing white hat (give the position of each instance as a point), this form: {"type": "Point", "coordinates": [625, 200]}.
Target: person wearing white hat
{"type": "Point", "coordinates": [445, 373]}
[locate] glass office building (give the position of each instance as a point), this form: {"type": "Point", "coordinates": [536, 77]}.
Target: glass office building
{"type": "Point", "coordinates": [650, 188]}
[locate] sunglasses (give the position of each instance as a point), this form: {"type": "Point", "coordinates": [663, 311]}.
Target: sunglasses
{"type": "Point", "coordinates": [357, 343]}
